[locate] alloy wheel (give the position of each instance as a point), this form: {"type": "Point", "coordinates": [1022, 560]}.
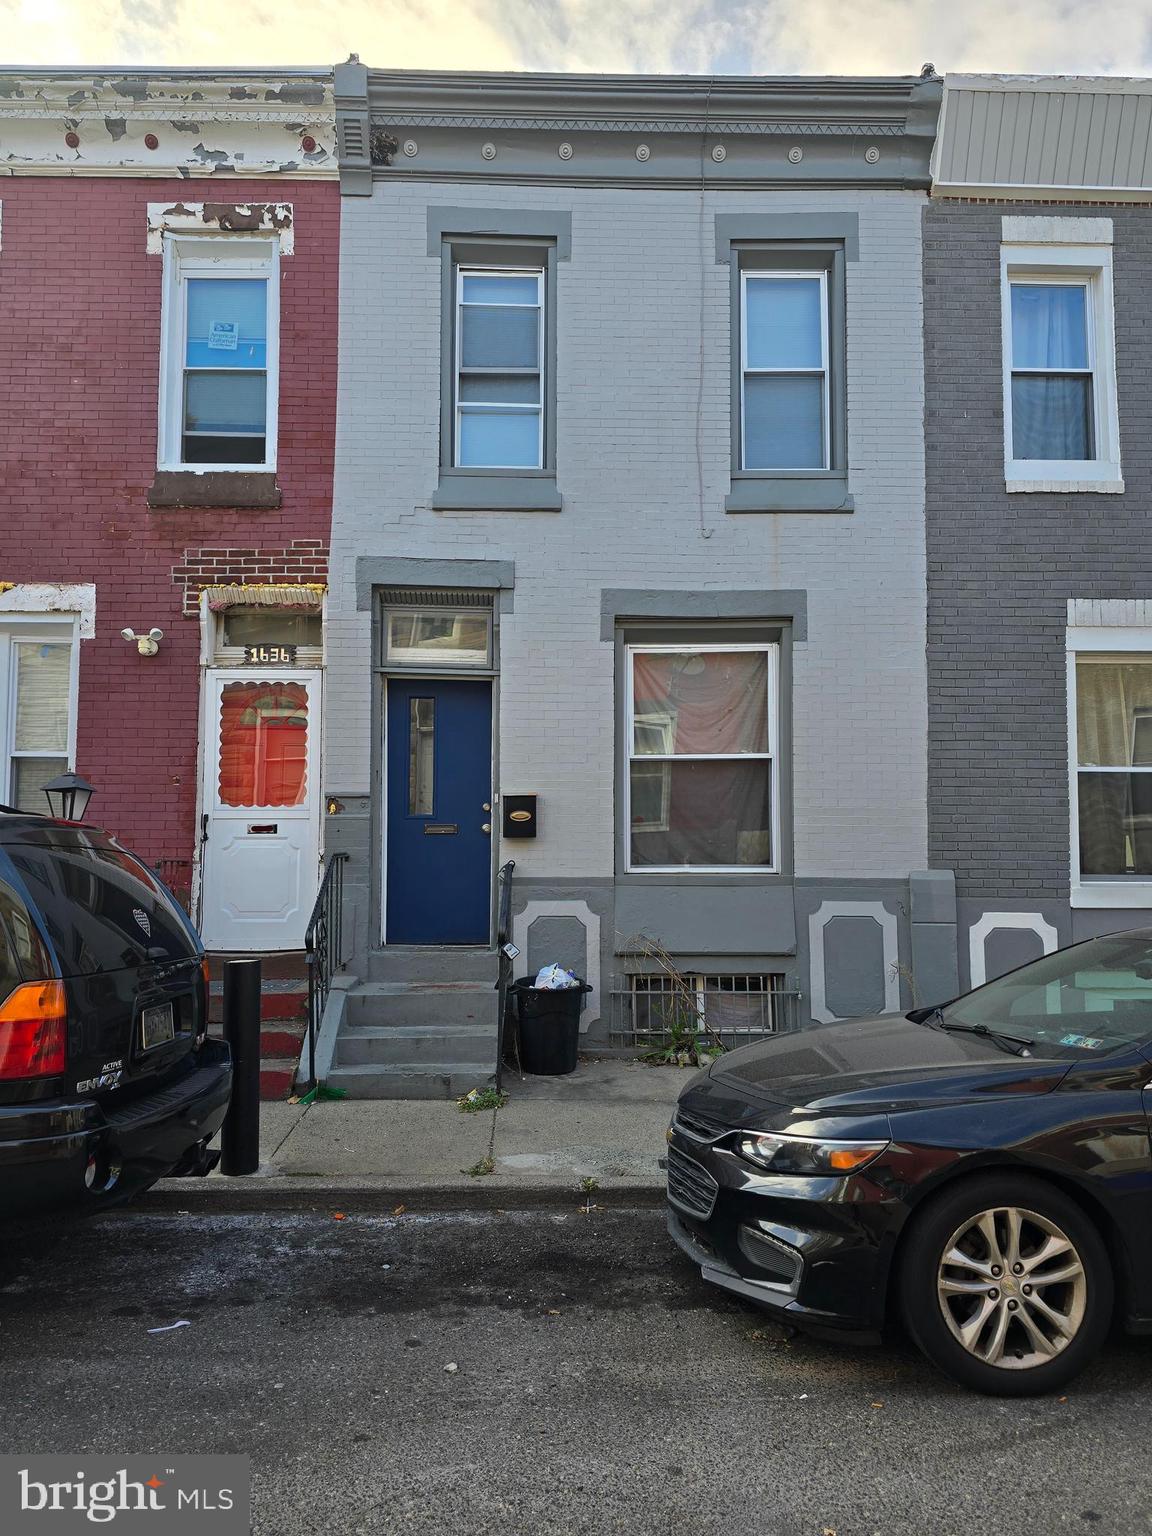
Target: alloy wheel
{"type": "Point", "coordinates": [1012, 1288]}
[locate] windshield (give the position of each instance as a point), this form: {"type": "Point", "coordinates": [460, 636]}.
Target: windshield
{"type": "Point", "coordinates": [1092, 998]}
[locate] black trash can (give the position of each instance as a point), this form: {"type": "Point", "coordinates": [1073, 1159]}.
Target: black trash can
{"type": "Point", "coordinates": [548, 1023]}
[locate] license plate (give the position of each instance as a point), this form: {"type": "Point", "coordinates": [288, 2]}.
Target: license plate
{"type": "Point", "coordinates": [157, 1026]}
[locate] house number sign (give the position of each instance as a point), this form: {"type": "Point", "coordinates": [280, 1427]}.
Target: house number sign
{"type": "Point", "coordinates": [266, 655]}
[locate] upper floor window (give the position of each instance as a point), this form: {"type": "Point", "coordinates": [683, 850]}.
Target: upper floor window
{"type": "Point", "coordinates": [220, 353]}
{"type": "Point", "coordinates": [1060, 417]}
{"type": "Point", "coordinates": [784, 395]}
{"type": "Point", "coordinates": [499, 368]}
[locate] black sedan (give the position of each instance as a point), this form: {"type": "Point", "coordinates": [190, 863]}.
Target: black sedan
{"type": "Point", "coordinates": [981, 1171]}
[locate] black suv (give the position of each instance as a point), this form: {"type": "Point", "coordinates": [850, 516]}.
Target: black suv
{"type": "Point", "coordinates": [108, 1080]}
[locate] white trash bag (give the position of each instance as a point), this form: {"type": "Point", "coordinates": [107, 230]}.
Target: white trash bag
{"type": "Point", "coordinates": [554, 978]}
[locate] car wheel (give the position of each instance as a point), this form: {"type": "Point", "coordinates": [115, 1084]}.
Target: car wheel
{"type": "Point", "coordinates": [1007, 1286]}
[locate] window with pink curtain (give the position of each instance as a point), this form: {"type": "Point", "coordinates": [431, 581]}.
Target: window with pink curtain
{"type": "Point", "coordinates": [701, 758]}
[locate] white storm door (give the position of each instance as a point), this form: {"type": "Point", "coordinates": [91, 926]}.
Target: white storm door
{"type": "Point", "coordinates": [261, 807]}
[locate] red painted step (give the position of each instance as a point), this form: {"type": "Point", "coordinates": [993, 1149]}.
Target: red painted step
{"type": "Point", "coordinates": [283, 1006]}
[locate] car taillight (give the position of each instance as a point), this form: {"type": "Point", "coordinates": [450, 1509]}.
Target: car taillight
{"type": "Point", "coordinates": [205, 1002]}
{"type": "Point", "coordinates": [34, 1030]}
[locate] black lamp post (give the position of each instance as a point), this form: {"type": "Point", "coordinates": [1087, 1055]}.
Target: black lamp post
{"type": "Point", "coordinates": [68, 796]}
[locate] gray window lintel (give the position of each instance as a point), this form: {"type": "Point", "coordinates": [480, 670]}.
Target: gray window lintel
{"type": "Point", "coordinates": [619, 605]}
{"type": "Point", "coordinates": [485, 224]}
{"type": "Point", "coordinates": [791, 228]}
{"type": "Point", "coordinates": [401, 571]}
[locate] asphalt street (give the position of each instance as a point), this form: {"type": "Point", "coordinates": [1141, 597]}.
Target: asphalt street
{"type": "Point", "coordinates": [598, 1385]}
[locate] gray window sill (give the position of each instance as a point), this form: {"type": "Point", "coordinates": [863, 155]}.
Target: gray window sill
{"type": "Point", "coordinates": [494, 492]}
{"type": "Point", "coordinates": [789, 493]}
{"type": "Point", "coordinates": [215, 488]}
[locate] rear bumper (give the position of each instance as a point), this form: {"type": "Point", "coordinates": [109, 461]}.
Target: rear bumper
{"type": "Point", "coordinates": [57, 1153]}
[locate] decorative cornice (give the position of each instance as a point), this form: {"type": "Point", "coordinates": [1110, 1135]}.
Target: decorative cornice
{"type": "Point", "coordinates": [588, 130]}
{"type": "Point", "coordinates": [166, 123]}
{"type": "Point", "coordinates": [720, 127]}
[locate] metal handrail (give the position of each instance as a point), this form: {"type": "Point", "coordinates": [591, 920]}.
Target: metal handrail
{"type": "Point", "coordinates": [324, 948]}
{"type": "Point", "coordinates": [504, 975]}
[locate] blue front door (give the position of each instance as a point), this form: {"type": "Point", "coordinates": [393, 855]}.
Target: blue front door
{"type": "Point", "coordinates": [438, 812]}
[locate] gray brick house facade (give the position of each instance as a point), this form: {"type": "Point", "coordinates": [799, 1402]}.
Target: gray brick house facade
{"type": "Point", "coordinates": [679, 565]}
{"type": "Point", "coordinates": [1037, 576]}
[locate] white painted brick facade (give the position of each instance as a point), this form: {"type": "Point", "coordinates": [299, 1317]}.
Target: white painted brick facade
{"type": "Point", "coordinates": [641, 278]}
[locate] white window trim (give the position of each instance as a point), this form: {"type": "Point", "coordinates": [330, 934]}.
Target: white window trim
{"type": "Point", "coordinates": [1121, 890]}
{"type": "Point", "coordinates": [213, 256]}
{"type": "Point", "coordinates": [471, 269]}
{"type": "Point", "coordinates": [35, 628]}
{"type": "Point", "coordinates": [758, 275]}
{"type": "Point", "coordinates": [769, 648]}
{"type": "Point", "coordinates": [1090, 265]}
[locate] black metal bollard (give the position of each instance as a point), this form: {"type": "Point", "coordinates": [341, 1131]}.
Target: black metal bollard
{"type": "Point", "coordinates": [240, 1135]}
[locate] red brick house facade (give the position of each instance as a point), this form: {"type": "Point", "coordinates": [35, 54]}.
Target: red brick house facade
{"type": "Point", "coordinates": [111, 185]}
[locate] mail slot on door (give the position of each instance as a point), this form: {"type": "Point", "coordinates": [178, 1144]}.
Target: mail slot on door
{"type": "Point", "coordinates": [263, 826]}
{"type": "Point", "coordinates": [520, 815]}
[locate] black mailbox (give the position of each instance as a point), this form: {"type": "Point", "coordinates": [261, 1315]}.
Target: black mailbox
{"type": "Point", "coordinates": [520, 815]}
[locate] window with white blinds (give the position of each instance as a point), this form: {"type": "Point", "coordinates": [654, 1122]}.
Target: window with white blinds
{"type": "Point", "coordinates": [42, 677]}
{"type": "Point", "coordinates": [37, 709]}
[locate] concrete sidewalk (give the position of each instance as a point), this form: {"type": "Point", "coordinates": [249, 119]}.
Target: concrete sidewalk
{"type": "Point", "coordinates": [604, 1122]}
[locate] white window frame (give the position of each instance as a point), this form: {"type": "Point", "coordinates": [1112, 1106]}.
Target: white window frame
{"type": "Point", "coordinates": [761, 275]}
{"type": "Point", "coordinates": [1099, 890]}
{"type": "Point", "coordinates": [1089, 267]}
{"type": "Point", "coordinates": [220, 256]}
{"type": "Point", "coordinates": [34, 629]}
{"type": "Point", "coordinates": [769, 648]}
{"type": "Point", "coordinates": [497, 269]}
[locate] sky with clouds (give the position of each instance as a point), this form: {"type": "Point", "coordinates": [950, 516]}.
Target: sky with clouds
{"type": "Point", "coordinates": [657, 36]}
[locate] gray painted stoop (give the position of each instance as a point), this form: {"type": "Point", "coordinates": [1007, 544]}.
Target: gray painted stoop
{"type": "Point", "coordinates": [422, 1025]}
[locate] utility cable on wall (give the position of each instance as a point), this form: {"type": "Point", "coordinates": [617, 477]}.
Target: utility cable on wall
{"type": "Point", "coordinates": [705, 531]}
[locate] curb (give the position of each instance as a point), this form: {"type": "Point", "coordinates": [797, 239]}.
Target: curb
{"type": "Point", "coordinates": [246, 1198]}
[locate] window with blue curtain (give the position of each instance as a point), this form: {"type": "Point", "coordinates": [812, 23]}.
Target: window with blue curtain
{"type": "Point", "coordinates": [1053, 410]}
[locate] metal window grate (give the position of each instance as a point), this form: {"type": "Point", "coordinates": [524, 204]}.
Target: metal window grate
{"type": "Point", "coordinates": [433, 597]}
{"type": "Point", "coordinates": [735, 1008]}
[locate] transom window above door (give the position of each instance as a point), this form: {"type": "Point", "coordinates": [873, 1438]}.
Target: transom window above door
{"type": "Point", "coordinates": [499, 368]}
{"type": "Point", "coordinates": [435, 637]}
{"type": "Point", "coordinates": [701, 789]}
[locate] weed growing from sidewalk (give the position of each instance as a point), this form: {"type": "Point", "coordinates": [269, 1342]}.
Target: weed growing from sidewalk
{"type": "Point", "coordinates": [481, 1098]}
{"type": "Point", "coordinates": [478, 1170]}
{"type": "Point", "coordinates": [589, 1185]}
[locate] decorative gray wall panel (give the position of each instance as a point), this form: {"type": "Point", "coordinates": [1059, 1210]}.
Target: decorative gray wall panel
{"type": "Point", "coordinates": [853, 966]}
{"type": "Point", "coordinates": [737, 918]}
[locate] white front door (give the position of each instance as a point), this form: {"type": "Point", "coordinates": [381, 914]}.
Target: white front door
{"type": "Point", "coordinates": [261, 806]}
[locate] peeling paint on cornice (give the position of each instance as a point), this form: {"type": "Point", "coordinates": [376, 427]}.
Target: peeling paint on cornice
{"type": "Point", "coordinates": [206, 123]}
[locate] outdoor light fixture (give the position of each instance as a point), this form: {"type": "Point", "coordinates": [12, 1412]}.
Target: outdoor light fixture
{"type": "Point", "coordinates": [147, 644]}
{"type": "Point", "coordinates": [68, 796]}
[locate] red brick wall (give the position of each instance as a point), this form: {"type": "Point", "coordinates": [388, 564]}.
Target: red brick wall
{"type": "Point", "coordinates": [79, 370]}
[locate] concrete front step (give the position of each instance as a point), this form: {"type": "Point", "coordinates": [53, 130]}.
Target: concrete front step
{"type": "Point", "coordinates": [429, 1044]}
{"type": "Point", "coordinates": [409, 1080]}
{"type": "Point", "coordinates": [421, 1002]}
{"type": "Point", "coordinates": [413, 963]}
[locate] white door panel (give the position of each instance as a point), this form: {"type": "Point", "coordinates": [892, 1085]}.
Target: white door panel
{"type": "Point", "coordinates": [261, 807]}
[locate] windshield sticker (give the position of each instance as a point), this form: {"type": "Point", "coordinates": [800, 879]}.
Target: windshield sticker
{"type": "Point", "coordinates": [1082, 1042]}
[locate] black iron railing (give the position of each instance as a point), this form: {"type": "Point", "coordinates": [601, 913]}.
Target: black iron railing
{"type": "Point", "coordinates": [324, 948]}
{"type": "Point", "coordinates": [504, 976]}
